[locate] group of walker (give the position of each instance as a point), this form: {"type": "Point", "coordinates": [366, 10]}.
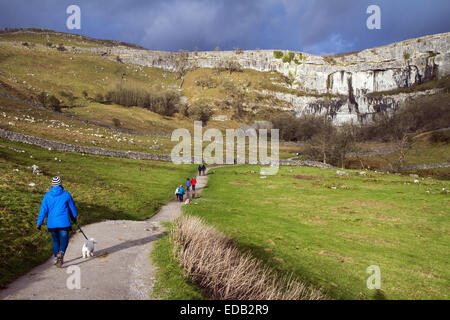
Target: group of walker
{"type": "Point", "coordinates": [202, 170]}
{"type": "Point", "coordinates": [189, 185]}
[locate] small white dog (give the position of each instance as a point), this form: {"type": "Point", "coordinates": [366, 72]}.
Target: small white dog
{"type": "Point", "coordinates": [88, 248]}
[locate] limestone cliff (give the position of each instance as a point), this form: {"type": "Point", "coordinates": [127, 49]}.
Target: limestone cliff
{"type": "Point", "coordinates": [340, 84]}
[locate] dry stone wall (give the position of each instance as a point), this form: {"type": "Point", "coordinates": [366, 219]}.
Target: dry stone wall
{"type": "Point", "coordinates": [65, 147]}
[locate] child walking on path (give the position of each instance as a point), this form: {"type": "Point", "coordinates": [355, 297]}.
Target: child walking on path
{"type": "Point", "coordinates": [193, 182]}
{"type": "Point", "coordinates": [180, 192]}
{"type": "Point", "coordinates": [59, 209]}
{"type": "Point", "coordinates": [177, 192]}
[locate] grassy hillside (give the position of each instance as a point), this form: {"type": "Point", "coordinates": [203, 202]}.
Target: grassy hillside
{"type": "Point", "coordinates": [328, 229]}
{"type": "Point", "coordinates": [44, 37]}
{"type": "Point", "coordinates": [102, 187]}
{"type": "Point", "coordinates": [19, 117]}
{"type": "Point", "coordinates": [27, 70]}
{"type": "Point", "coordinates": [35, 67]}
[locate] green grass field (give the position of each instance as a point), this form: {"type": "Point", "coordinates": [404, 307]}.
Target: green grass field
{"type": "Point", "coordinates": [328, 229]}
{"type": "Point", "coordinates": [102, 187]}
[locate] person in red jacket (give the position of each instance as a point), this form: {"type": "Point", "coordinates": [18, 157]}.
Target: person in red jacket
{"type": "Point", "coordinates": [193, 182]}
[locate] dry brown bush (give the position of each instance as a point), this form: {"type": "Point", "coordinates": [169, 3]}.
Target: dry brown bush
{"type": "Point", "coordinates": [223, 272]}
{"type": "Point", "coordinates": [200, 110]}
{"type": "Point", "coordinates": [161, 102]}
{"type": "Point", "coordinates": [230, 65]}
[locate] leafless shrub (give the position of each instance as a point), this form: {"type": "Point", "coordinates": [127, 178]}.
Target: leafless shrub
{"type": "Point", "coordinates": [230, 65]}
{"type": "Point", "coordinates": [201, 111]}
{"type": "Point", "coordinates": [69, 96]}
{"type": "Point", "coordinates": [61, 47]}
{"type": "Point", "coordinates": [320, 146]}
{"type": "Point", "coordinates": [116, 122]}
{"type": "Point", "coordinates": [404, 145]}
{"type": "Point", "coordinates": [205, 81]}
{"type": "Point", "coordinates": [302, 128]}
{"type": "Point", "coordinates": [440, 136]}
{"type": "Point", "coordinates": [223, 272]}
{"type": "Point", "coordinates": [161, 102]}
{"type": "Point", "coordinates": [343, 143]}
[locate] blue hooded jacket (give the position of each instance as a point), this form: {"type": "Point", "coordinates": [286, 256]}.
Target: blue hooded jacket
{"type": "Point", "coordinates": [181, 190]}
{"type": "Point", "coordinates": [58, 207]}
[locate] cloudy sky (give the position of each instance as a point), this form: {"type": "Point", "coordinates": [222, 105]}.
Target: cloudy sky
{"type": "Point", "coordinates": [314, 26]}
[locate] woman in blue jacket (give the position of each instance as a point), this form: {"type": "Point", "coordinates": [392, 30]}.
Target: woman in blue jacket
{"type": "Point", "coordinates": [58, 207]}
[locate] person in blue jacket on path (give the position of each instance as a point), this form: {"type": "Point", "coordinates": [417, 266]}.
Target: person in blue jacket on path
{"type": "Point", "coordinates": [188, 185]}
{"type": "Point", "coordinates": [181, 192]}
{"type": "Point", "coordinates": [59, 209]}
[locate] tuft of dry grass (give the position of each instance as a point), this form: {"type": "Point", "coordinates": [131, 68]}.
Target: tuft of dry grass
{"type": "Point", "coordinates": [223, 272]}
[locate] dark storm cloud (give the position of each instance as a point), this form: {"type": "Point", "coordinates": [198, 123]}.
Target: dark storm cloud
{"type": "Point", "coordinates": [315, 26]}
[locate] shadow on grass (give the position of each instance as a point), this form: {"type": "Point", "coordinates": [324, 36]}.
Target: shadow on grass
{"type": "Point", "coordinates": [379, 295]}
{"type": "Point", "coordinates": [89, 213]}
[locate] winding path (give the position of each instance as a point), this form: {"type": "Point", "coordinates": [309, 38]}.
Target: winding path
{"type": "Point", "coordinates": [120, 269]}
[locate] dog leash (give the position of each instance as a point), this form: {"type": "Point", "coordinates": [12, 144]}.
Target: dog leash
{"type": "Point", "coordinates": [81, 230]}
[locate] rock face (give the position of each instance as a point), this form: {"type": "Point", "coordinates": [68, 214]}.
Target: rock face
{"type": "Point", "coordinates": [340, 83]}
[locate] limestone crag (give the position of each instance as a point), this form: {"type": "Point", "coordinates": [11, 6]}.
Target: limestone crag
{"type": "Point", "coordinates": [344, 79]}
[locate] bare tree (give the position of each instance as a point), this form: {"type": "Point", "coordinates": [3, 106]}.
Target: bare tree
{"type": "Point", "coordinates": [344, 142]}
{"type": "Point", "coordinates": [231, 66]}
{"type": "Point", "coordinates": [180, 63]}
{"type": "Point", "coordinates": [404, 145]}
{"type": "Point", "coordinates": [359, 155]}
{"type": "Point", "coordinates": [321, 143]}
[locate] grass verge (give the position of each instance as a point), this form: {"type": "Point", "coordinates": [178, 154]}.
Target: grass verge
{"type": "Point", "coordinates": [171, 280]}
